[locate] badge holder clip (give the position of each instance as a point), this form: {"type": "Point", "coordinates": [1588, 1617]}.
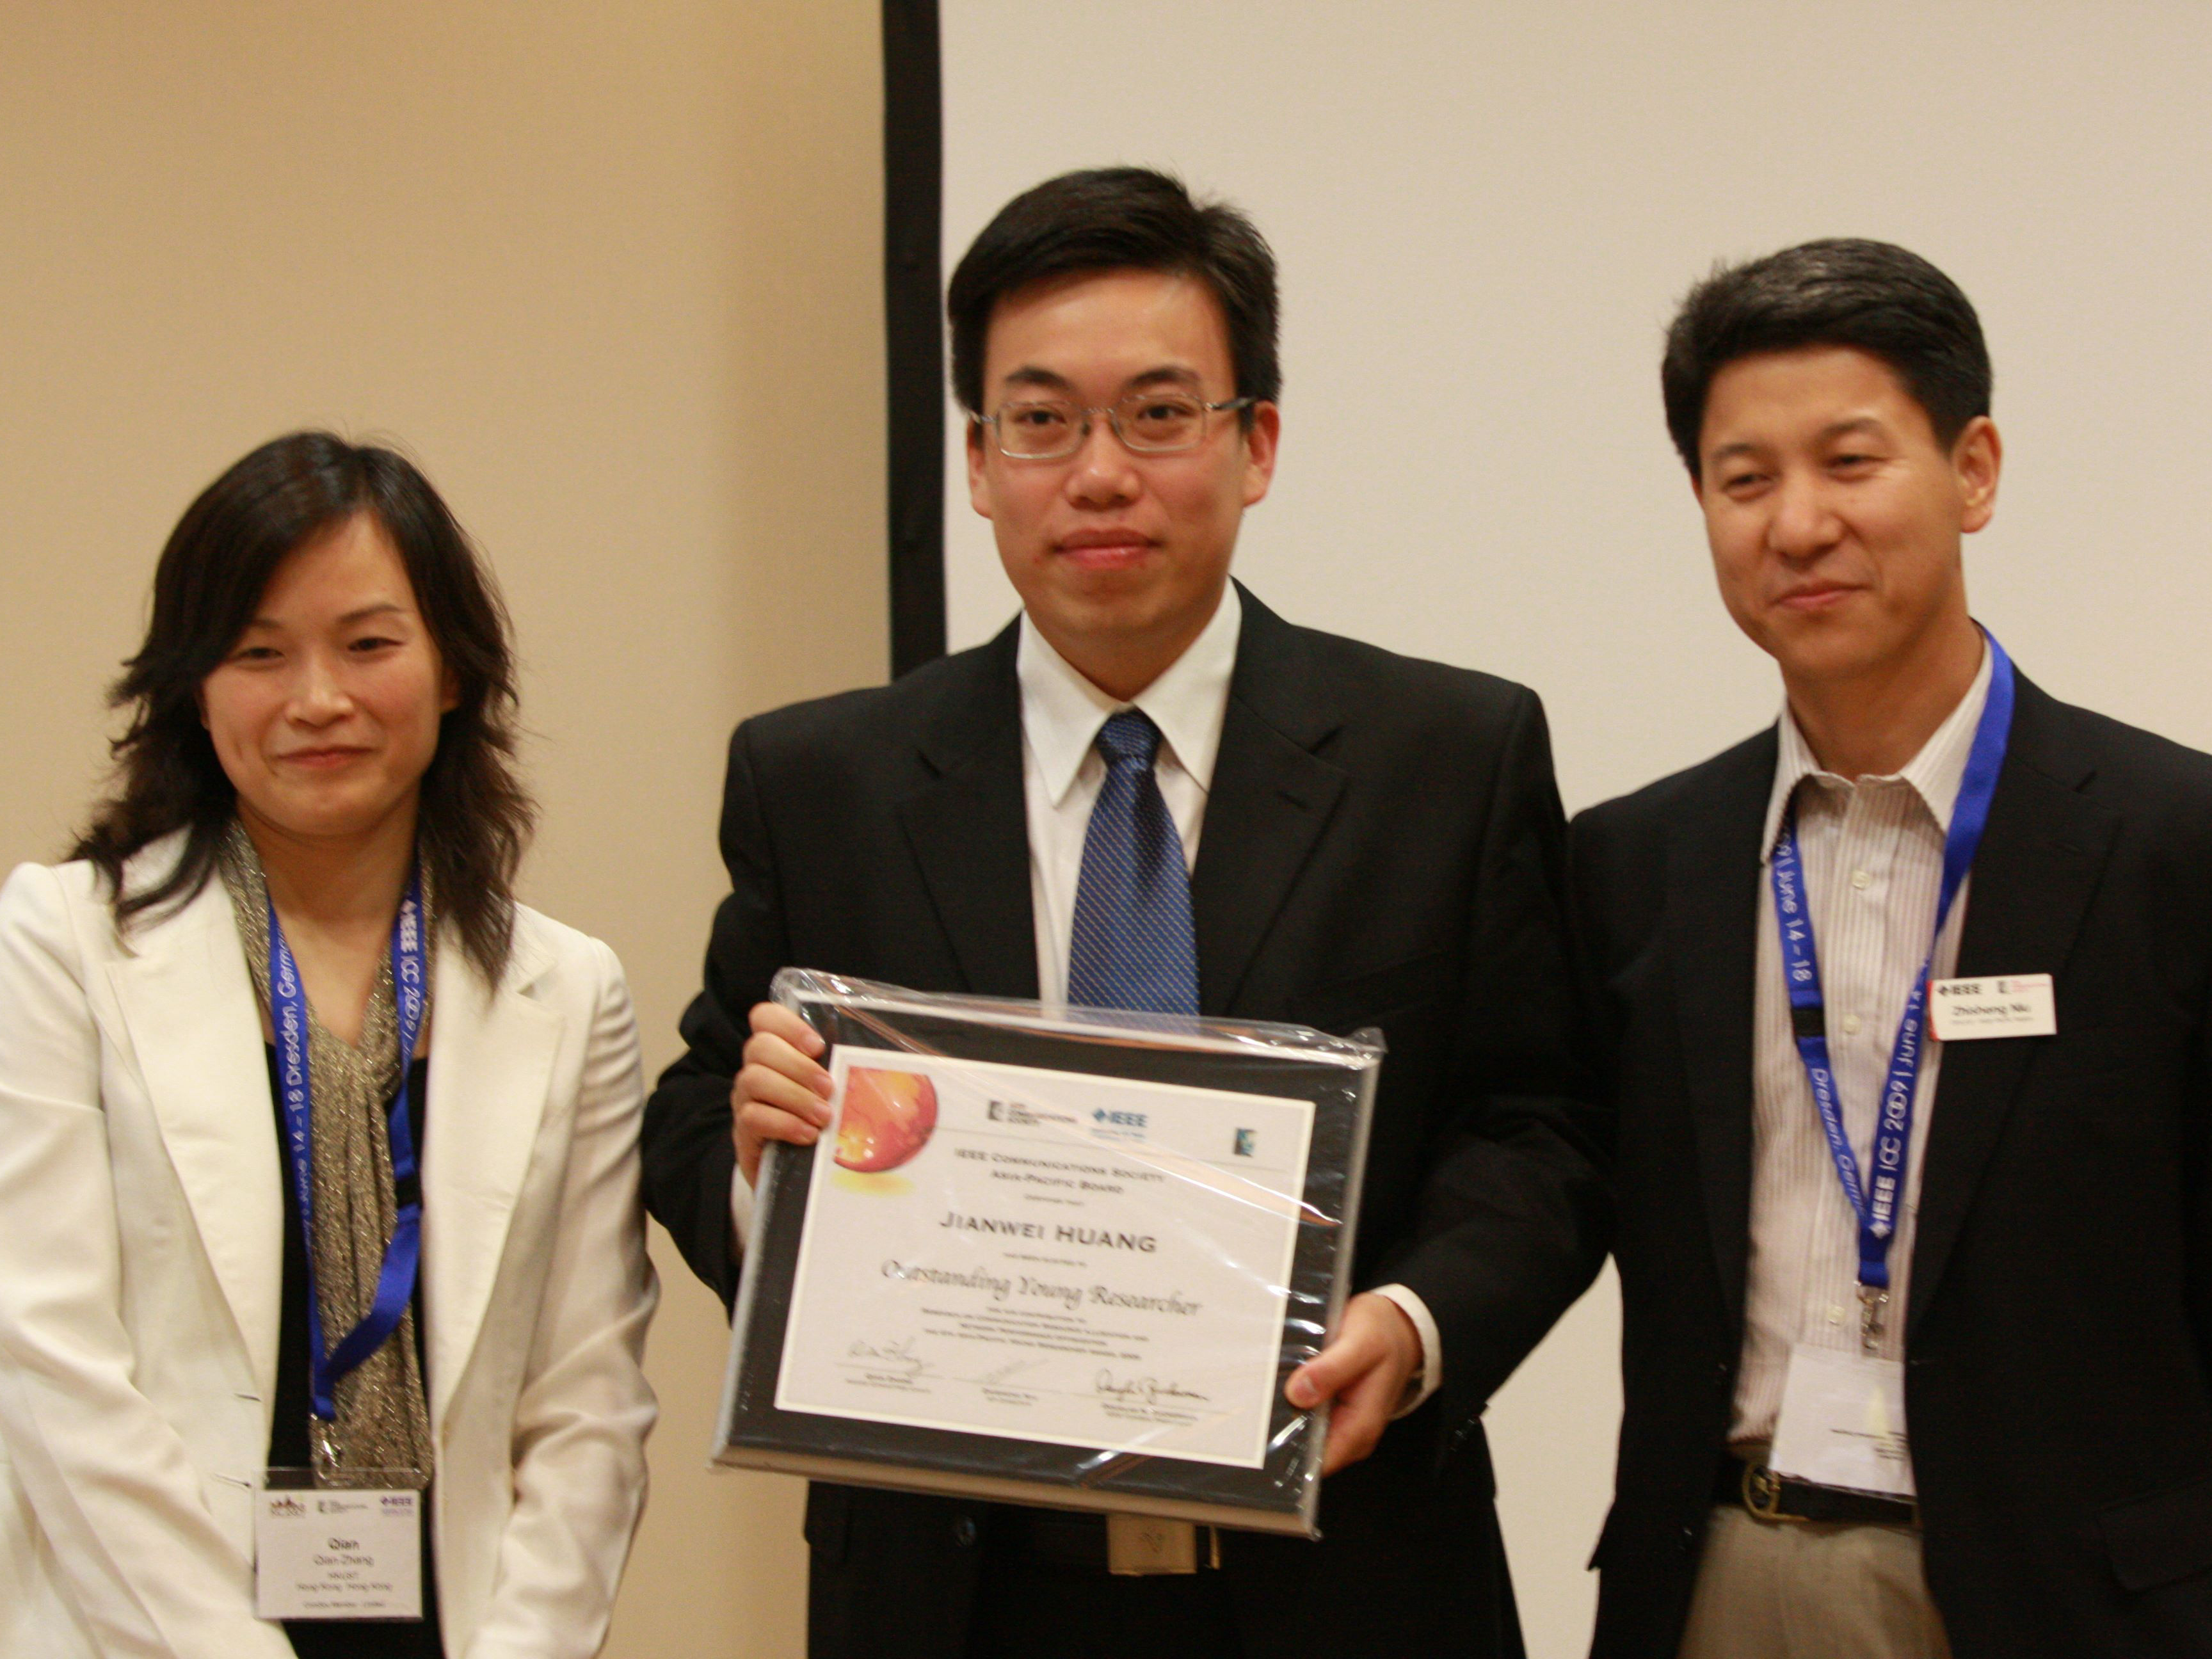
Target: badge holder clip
{"type": "Point", "coordinates": [1874, 1308]}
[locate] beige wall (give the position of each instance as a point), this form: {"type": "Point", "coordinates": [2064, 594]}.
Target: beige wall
{"type": "Point", "coordinates": [610, 273]}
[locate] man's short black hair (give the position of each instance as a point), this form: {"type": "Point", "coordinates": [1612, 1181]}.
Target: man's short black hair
{"type": "Point", "coordinates": [1845, 291]}
{"type": "Point", "coordinates": [1117, 219]}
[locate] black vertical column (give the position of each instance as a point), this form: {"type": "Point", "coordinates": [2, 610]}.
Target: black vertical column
{"type": "Point", "coordinates": [913, 328]}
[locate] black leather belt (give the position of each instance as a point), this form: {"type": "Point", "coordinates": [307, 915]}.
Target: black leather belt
{"type": "Point", "coordinates": [1771, 1497]}
{"type": "Point", "coordinates": [1053, 1538]}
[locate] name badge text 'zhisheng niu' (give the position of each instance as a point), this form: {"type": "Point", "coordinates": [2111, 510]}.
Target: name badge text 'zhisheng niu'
{"type": "Point", "coordinates": [1996, 1005]}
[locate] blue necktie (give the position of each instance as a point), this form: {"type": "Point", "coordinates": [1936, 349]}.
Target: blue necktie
{"type": "Point", "coordinates": [1133, 946]}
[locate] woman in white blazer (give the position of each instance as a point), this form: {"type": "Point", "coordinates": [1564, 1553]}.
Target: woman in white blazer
{"type": "Point", "coordinates": [322, 709]}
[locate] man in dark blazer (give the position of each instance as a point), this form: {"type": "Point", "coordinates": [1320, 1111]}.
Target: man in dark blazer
{"type": "Point", "coordinates": [2049, 1312]}
{"type": "Point", "coordinates": [1378, 843]}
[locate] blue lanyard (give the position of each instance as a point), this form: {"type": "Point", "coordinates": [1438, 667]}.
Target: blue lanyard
{"type": "Point", "coordinates": [403, 1255]}
{"type": "Point", "coordinates": [1875, 1203]}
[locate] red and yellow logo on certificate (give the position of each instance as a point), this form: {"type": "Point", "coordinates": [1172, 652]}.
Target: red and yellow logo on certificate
{"type": "Point", "coordinates": [887, 1118]}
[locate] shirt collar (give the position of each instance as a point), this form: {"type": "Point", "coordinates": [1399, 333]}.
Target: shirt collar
{"type": "Point", "coordinates": [1062, 711]}
{"type": "Point", "coordinates": [1936, 771]}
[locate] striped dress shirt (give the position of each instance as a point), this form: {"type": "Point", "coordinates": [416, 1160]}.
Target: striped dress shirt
{"type": "Point", "coordinates": [1873, 856]}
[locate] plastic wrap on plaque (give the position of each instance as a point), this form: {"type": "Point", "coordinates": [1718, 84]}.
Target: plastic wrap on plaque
{"type": "Point", "coordinates": [1063, 1256]}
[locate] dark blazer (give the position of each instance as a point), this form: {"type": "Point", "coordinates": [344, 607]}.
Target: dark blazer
{"type": "Point", "coordinates": [2059, 1337]}
{"type": "Point", "coordinates": [1383, 845]}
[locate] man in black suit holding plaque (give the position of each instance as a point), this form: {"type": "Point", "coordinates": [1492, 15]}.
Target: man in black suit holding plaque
{"type": "Point", "coordinates": [1319, 831]}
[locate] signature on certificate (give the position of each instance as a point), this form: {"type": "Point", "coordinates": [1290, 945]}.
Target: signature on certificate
{"type": "Point", "coordinates": [897, 1358]}
{"type": "Point", "coordinates": [1149, 1389]}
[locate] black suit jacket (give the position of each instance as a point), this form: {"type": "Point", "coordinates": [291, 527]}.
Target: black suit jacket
{"type": "Point", "coordinates": [2060, 1329]}
{"type": "Point", "coordinates": [1383, 845]}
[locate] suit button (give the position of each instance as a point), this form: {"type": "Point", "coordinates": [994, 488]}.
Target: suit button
{"type": "Point", "coordinates": [964, 1531]}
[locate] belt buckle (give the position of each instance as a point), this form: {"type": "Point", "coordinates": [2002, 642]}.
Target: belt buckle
{"type": "Point", "coordinates": [1762, 1493]}
{"type": "Point", "coordinates": [1144, 1544]}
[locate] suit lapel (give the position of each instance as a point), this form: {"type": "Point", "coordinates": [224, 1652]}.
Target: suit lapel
{"type": "Point", "coordinates": [1270, 798]}
{"type": "Point", "coordinates": [491, 1067]}
{"type": "Point", "coordinates": [2040, 861]}
{"type": "Point", "coordinates": [968, 825]}
{"type": "Point", "coordinates": [1713, 871]}
{"type": "Point", "coordinates": [188, 1001]}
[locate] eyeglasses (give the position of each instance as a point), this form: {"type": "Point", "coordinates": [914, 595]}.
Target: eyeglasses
{"type": "Point", "coordinates": [1146, 423]}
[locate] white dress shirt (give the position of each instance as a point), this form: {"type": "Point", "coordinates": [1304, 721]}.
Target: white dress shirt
{"type": "Point", "coordinates": [1873, 857]}
{"type": "Point", "coordinates": [1062, 772]}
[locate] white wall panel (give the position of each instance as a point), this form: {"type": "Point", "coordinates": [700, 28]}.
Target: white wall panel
{"type": "Point", "coordinates": [1484, 214]}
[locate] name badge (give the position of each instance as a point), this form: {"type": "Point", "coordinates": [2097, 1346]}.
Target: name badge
{"type": "Point", "coordinates": [2015, 1004]}
{"type": "Point", "coordinates": [321, 1552]}
{"type": "Point", "coordinates": [1843, 1423]}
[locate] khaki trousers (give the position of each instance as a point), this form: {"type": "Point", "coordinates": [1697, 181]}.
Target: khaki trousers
{"type": "Point", "coordinates": [1810, 1589]}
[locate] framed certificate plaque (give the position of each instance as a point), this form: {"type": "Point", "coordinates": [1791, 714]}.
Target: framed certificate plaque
{"type": "Point", "coordinates": [1063, 1257]}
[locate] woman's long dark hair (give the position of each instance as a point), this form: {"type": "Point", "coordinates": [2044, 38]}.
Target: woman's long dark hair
{"type": "Point", "coordinates": [474, 818]}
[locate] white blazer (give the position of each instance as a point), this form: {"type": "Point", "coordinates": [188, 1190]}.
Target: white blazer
{"type": "Point", "coordinates": [140, 1256]}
